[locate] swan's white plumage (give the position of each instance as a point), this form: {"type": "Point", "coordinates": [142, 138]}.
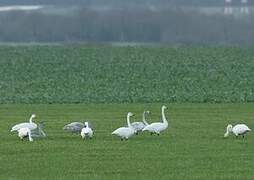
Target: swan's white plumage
{"type": "Point", "coordinates": [157, 127]}
{"type": "Point", "coordinates": [239, 129]}
{"type": "Point", "coordinates": [125, 132]}
{"type": "Point", "coordinates": [138, 126]}
{"type": "Point", "coordinates": [31, 125]}
{"type": "Point", "coordinates": [24, 132]}
{"type": "Point", "coordinates": [86, 131]}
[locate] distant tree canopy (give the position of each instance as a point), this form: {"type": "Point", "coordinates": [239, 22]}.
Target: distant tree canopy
{"type": "Point", "coordinates": [168, 25]}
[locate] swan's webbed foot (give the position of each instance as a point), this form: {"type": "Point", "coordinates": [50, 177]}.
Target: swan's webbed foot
{"type": "Point", "coordinates": [121, 139]}
{"type": "Point", "coordinates": [158, 134]}
{"type": "Point", "coordinates": [136, 133]}
{"type": "Point", "coordinates": [151, 133]}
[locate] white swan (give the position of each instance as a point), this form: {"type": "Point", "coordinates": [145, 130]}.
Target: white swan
{"type": "Point", "coordinates": [86, 131]}
{"type": "Point", "coordinates": [239, 129]}
{"type": "Point", "coordinates": [125, 132]}
{"type": "Point", "coordinates": [29, 125]}
{"type": "Point", "coordinates": [158, 126]}
{"type": "Point", "coordinates": [138, 126]}
{"type": "Point", "coordinates": [24, 132]}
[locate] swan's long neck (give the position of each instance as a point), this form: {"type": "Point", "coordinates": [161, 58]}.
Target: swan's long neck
{"type": "Point", "coordinates": [144, 118]}
{"type": "Point", "coordinates": [163, 116]}
{"type": "Point", "coordinates": [128, 121]}
{"type": "Point", "coordinates": [87, 126]}
{"type": "Point", "coordinates": [30, 136]}
{"type": "Point", "coordinates": [31, 118]}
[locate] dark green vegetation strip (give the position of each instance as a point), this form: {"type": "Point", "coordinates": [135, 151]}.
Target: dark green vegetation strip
{"type": "Point", "coordinates": [82, 74]}
{"type": "Point", "coordinates": [192, 147]}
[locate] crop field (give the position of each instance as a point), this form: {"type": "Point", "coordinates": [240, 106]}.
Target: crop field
{"type": "Point", "coordinates": [204, 89]}
{"type": "Point", "coordinates": [92, 74]}
{"type": "Point", "coordinates": [192, 147]}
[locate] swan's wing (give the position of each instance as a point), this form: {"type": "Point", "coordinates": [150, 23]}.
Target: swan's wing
{"type": "Point", "coordinates": [154, 127]}
{"type": "Point", "coordinates": [76, 124]}
{"type": "Point", "coordinates": [138, 125]}
{"type": "Point", "coordinates": [31, 126]}
{"type": "Point", "coordinates": [74, 127]}
{"type": "Point", "coordinates": [120, 131]}
{"type": "Point", "coordinates": [240, 129]}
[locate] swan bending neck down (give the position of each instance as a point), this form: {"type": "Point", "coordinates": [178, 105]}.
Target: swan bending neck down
{"type": "Point", "coordinates": [86, 131]}
{"type": "Point", "coordinates": [239, 129]}
{"type": "Point", "coordinates": [125, 132]}
{"type": "Point", "coordinates": [158, 126]}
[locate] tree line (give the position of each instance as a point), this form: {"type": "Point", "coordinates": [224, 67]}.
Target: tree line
{"type": "Point", "coordinates": [168, 25]}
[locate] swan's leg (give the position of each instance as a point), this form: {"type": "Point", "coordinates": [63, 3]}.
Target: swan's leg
{"type": "Point", "coordinates": [151, 133]}
{"type": "Point", "coordinates": [122, 139]}
{"type": "Point", "coordinates": [42, 133]}
{"type": "Point", "coordinates": [29, 136]}
{"type": "Point", "coordinates": [136, 133]}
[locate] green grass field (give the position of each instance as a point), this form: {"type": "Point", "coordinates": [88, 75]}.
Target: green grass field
{"type": "Point", "coordinates": [101, 84]}
{"type": "Point", "coordinates": [192, 147]}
